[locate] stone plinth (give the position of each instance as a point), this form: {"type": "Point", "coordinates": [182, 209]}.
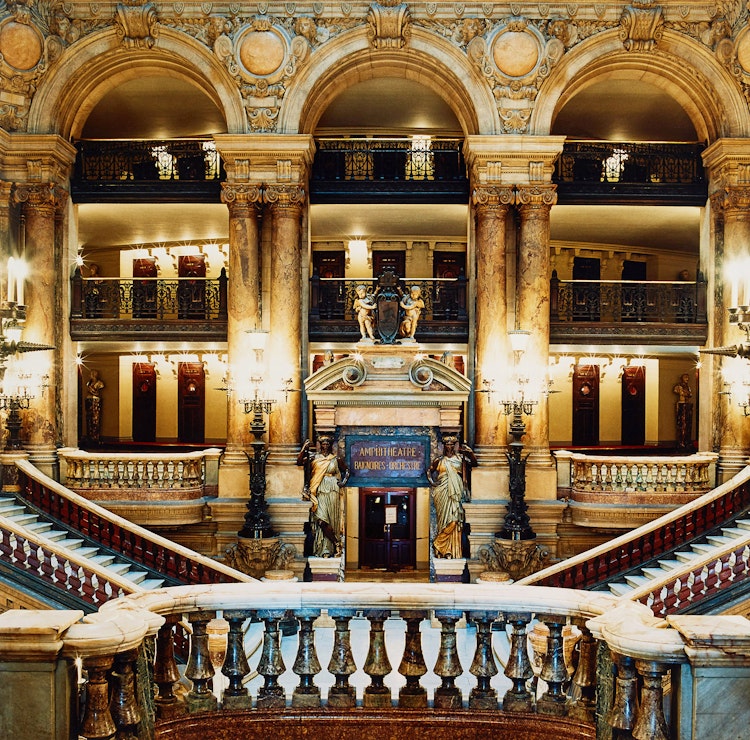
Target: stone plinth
{"type": "Point", "coordinates": [449, 570]}
{"type": "Point", "coordinates": [517, 558]}
{"type": "Point", "coordinates": [257, 556]}
{"type": "Point", "coordinates": [326, 569]}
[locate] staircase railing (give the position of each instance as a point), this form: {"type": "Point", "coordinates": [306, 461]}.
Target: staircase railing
{"type": "Point", "coordinates": [568, 693]}
{"type": "Point", "coordinates": [656, 538]}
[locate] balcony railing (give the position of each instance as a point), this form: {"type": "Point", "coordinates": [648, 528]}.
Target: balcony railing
{"type": "Point", "coordinates": [135, 305]}
{"type": "Point", "coordinates": [444, 317]}
{"type": "Point", "coordinates": [173, 169]}
{"type": "Point", "coordinates": [625, 172]}
{"type": "Point", "coordinates": [669, 311]}
{"type": "Point", "coordinates": [418, 169]}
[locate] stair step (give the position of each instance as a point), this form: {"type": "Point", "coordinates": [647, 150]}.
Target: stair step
{"type": "Point", "coordinates": [701, 548]}
{"type": "Point", "coordinates": [735, 532]}
{"type": "Point", "coordinates": [87, 552]}
{"type": "Point", "coordinates": [119, 568]}
{"type": "Point", "coordinates": [103, 560]}
{"type": "Point", "coordinates": [13, 510]}
{"type": "Point", "coordinates": [56, 534]}
{"type": "Point", "coordinates": [620, 589]}
{"type": "Point", "coordinates": [652, 573]}
{"type": "Point", "coordinates": [685, 556]}
{"type": "Point", "coordinates": [137, 576]}
{"type": "Point", "coordinates": [71, 543]}
{"type": "Point", "coordinates": [668, 564]}
{"type": "Point", "coordinates": [742, 523]}
{"type": "Point", "coordinates": [40, 526]}
{"type": "Point", "coordinates": [718, 540]}
{"type": "Point", "coordinates": [24, 519]}
{"type": "Point", "coordinates": [636, 581]}
{"type": "Point", "coordinates": [150, 584]}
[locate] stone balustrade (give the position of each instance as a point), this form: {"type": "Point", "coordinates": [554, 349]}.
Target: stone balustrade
{"type": "Point", "coordinates": [461, 653]}
{"type": "Point", "coordinates": [137, 476]}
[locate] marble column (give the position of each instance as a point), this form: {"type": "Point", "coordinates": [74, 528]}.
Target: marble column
{"type": "Point", "coordinates": [39, 203]}
{"type": "Point", "coordinates": [243, 305]}
{"type": "Point", "coordinates": [492, 205]}
{"type": "Point", "coordinates": [285, 203]}
{"type": "Point", "coordinates": [734, 444]}
{"type": "Point", "coordinates": [532, 311]}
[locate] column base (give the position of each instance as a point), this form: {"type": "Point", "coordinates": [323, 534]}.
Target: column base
{"type": "Point", "coordinates": [449, 570]}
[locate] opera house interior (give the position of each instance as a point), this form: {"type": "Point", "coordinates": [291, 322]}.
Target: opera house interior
{"type": "Point", "coordinates": [327, 328]}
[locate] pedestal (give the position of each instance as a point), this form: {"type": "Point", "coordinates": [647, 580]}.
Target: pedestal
{"type": "Point", "coordinates": [326, 569]}
{"type": "Point", "coordinates": [449, 570]}
{"type": "Point", "coordinates": [255, 556]}
{"type": "Point", "coordinates": [517, 558]}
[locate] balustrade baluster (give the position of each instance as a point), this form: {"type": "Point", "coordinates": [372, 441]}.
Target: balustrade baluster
{"type": "Point", "coordinates": [650, 723]}
{"type": "Point", "coordinates": [236, 667]}
{"type": "Point", "coordinates": [554, 671]}
{"type": "Point", "coordinates": [125, 710]}
{"type": "Point", "coordinates": [342, 695]}
{"type": "Point", "coordinates": [622, 714]}
{"type": "Point", "coordinates": [166, 672]}
{"type": "Point", "coordinates": [518, 669]}
{"type": "Point", "coordinates": [608, 476]}
{"type": "Point", "coordinates": [111, 473]}
{"type": "Point", "coordinates": [639, 478]}
{"type": "Point", "coordinates": [377, 666]}
{"type": "Point", "coordinates": [199, 668]}
{"type": "Point", "coordinates": [483, 696]}
{"type": "Point", "coordinates": [306, 664]}
{"type": "Point", "coordinates": [448, 665]}
{"type": "Point", "coordinates": [97, 722]}
{"type": "Point", "coordinates": [582, 700]}
{"type": "Point", "coordinates": [629, 478]}
{"type": "Point", "coordinates": [271, 666]}
{"type": "Point", "coordinates": [413, 667]}
{"type": "Point", "coordinates": [618, 477]}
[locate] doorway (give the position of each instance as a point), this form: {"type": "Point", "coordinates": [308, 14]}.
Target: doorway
{"type": "Point", "coordinates": [387, 529]}
{"type": "Point", "coordinates": [586, 406]}
{"type": "Point", "coordinates": [191, 289]}
{"type": "Point", "coordinates": [633, 425]}
{"type": "Point", "coordinates": [383, 260]}
{"type": "Point", "coordinates": [144, 291]}
{"type": "Point", "coordinates": [191, 409]}
{"type": "Point", "coordinates": [144, 402]}
{"type": "Point", "coordinates": [586, 295]}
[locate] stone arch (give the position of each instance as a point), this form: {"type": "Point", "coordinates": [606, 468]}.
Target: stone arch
{"type": "Point", "coordinates": [708, 93]}
{"type": "Point", "coordinates": [428, 60]}
{"type": "Point", "coordinates": [97, 65]}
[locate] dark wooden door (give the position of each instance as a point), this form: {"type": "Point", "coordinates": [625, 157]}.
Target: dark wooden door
{"type": "Point", "coordinates": [328, 265]}
{"type": "Point", "coordinates": [586, 297]}
{"type": "Point", "coordinates": [144, 402]}
{"type": "Point", "coordinates": [144, 291]}
{"type": "Point", "coordinates": [191, 409]}
{"type": "Point", "coordinates": [450, 297]}
{"type": "Point", "coordinates": [382, 260]}
{"type": "Point", "coordinates": [633, 425]}
{"type": "Point", "coordinates": [191, 290]}
{"type": "Point", "coordinates": [387, 528]}
{"type": "Point", "coordinates": [586, 406]}
{"type": "Point", "coordinates": [633, 294]}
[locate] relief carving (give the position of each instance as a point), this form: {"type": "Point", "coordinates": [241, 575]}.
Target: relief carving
{"type": "Point", "coordinates": [389, 25]}
{"type": "Point", "coordinates": [136, 25]}
{"type": "Point", "coordinates": [641, 26]}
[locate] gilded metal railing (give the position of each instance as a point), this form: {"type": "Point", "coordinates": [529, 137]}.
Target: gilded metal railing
{"type": "Point", "coordinates": [149, 298]}
{"type": "Point", "coordinates": [622, 301]}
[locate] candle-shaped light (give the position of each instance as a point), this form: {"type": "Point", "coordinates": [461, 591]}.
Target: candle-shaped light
{"type": "Point", "coordinates": [734, 296]}
{"type": "Point", "coordinates": [11, 279]}
{"type": "Point", "coordinates": [20, 277]}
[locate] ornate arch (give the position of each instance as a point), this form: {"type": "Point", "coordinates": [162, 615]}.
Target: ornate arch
{"type": "Point", "coordinates": [710, 96]}
{"type": "Point", "coordinates": [97, 64]}
{"type": "Point", "coordinates": [427, 59]}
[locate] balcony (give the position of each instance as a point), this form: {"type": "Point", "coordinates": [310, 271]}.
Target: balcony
{"type": "Point", "coordinates": [333, 319]}
{"type": "Point", "coordinates": [628, 311]}
{"type": "Point", "coordinates": [174, 170]}
{"type": "Point", "coordinates": [589, 172]}
{"type": "Point", "coordinates": [418, 169]}
{"type": "Point", "coordinates": [127, 308]}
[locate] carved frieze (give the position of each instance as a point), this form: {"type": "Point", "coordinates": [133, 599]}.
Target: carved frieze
{"type": "Point", "coordinates": [389, 24]}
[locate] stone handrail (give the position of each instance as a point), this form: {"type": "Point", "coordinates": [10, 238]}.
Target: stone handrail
{"type": "Point", "coordinates": [575, 694]}
{"type": "Point", "coordinates": [123, 475]}
{"type": "Point", "coordinates": [651, 540]}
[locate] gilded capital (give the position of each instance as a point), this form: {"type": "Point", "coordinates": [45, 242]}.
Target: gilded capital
{"type": "Point", "coordinates": [42, 197]}
{"type": "Point", "coordinates": [240, 198]}
{"type": "Point", "coordinates": [284, 196]}
{"type": "Point", "coordinates": [493, 197]}
{"type": "Point", "coordinates": [734, 202]}
{"type": "Point", "coordinates": [536, 196]}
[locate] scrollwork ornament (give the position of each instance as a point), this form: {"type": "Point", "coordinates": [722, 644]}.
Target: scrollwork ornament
{"type": "Point", "coordinates": [136, 26]}
{"type": "Point", "coordinates": [641, 26]}
{"type": "Point", "coordinates": [241, 195]}
{"type": "Point", "coordinates": [284, 196]}
{"type": "Point", "coordinates": [493, 197]}
{"type": "Point", "coordinates": [389, 25]}
{"type": "Point", "coordinates": [539, 196]}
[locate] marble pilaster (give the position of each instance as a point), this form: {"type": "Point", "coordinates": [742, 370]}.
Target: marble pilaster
{"type": "Point", "coordinates": [243, 313]}
{"type": "Point", "coordinates": [39, 202]}
{"type": "Point", "coordinates": [532, 302]}
{"type": "Point", "coordinates": [285, 203]}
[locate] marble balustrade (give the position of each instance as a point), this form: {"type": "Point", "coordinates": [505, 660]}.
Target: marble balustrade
{"type": "Point", "coordinates": [396, 666]}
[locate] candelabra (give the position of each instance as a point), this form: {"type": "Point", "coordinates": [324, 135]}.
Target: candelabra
{"type": "Point", "coordinates": [257, 520]}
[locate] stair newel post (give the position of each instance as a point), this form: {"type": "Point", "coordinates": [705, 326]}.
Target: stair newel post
{"type": "Point", "coordinates": [306, 664]}
{"type": "Point", "coordinates": [342, 695]}
{"type": "Point", "coordinates": [650, 723]}
{"type": "Point", "coordinates": [236, 667]}
{"type": "Point", "coordinates": [622, 714]}
{"type": "Point", "coordinates": [166, 672]}
{"type": "Point", "coordinates": [200, 669]}
{"type": "Point", "coordinates": [554, 672]}
{"type": "Point", "coordinates": [518, 669]}
{"type": "Point", "coordinates": [582, 699]}
{"type": "Point", "coordinates": [377, 666]}
{"type": "Point", "coordinates": [124, 707]}
{"type": "Point", "coordinates": [97, 723]}
{"type": "Point", "coordinates": [448, 665]}
{"type": "Point", "coordinates": [271, 665]}
{"type": "Point", "coordinates": [483, 666]}
{"type": "Point", "coordinates": [413, 667]}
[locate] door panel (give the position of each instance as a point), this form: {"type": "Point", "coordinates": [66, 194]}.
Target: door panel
{"type": "Point", "coordinates": [144, 291]}
{"type": "Point", "coordinates": [633, 425]}
{"type": "Point", "coordinates": [387, 528]}
{"type": "Point", "coordinates": [191, 411]}
{"type": "Point", "coordinates": [382, 260]}
{"type": "Point", "coordinates": [191, 293]}
{"type": "Point", "coordinates": [144, 402]}
{"type": "Point", "coordinates": [586, 406]}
